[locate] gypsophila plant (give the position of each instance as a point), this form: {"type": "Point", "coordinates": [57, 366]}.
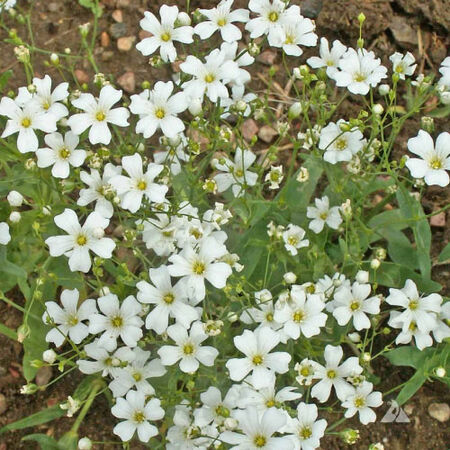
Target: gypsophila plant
{"type": "Point", "coordinates": [221, 292]}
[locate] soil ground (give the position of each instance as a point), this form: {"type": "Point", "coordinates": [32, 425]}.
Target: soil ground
{"type": "Point", "coordinates": [417, 26]}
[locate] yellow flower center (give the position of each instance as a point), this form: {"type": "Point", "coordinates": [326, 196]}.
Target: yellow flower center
{"type": "Point", "coordinates": [46, 105]}
{"type": "Point", "coordinates": [165, 37]}
{"type": "Point", "coordinates": [270, 403]}
{"type": "Point", "coordinates": [188, 349]}
{"type": "Point", "coordinates": [222, 22]}
{"type": "Point", "coordinates": [169, 298]}
{"type": "Point", "coordinates": [311, 289]}
{"type": "Point", "coordinates": [26, 122]}
{"type": "Point", "coordinates": [138, 417]}
{"type": "Point", "coordinates": [289, 39]}
{"type": "Point", "coordinates": [436, 163]}
{"type": "Point", "coordinates": [142, 185]}
{"type": "Point", "coordinates": [72, 321]}
{"type": "Point", "coordinates": [198, 268]}
{"type": "Point", "coordinates": [412, 326]}
{"type": "Point", "coordinates": [64, 153]}
{"type": "Point", "coordinates": [355, 305]}
{"type": "Point", "coordinates": [305, 433]}
{"type": "Point", "coordinates": [137, 376]}
{"type": "Point", "coordinates": [257, 360]}
{"type": "Point", "coordinates": [209, 78]}
{"type": "Point", "coordinates": [81, 240]}
{"type": "Point", "coordinates": [324, 215]}
{"type": "Point", "coordinates": [413, 305]}
{"type": "Point", "coordinates": [359, 402]}
{"type": "Point", "coordinates": [341, 144]}
{"type": "Point", "coordinates": [292, 240]}
{"type": "Point", "coordinates": [239, 173]}
{"type": "Point", "coordinates": [269, 317]}
{"type": "Point", "coordinates": [298, 316]}
{"type": "Point", "coordinates": [331, 374]}
{"type": "Point", "coordinates": [117, 322]}
{"type": "Point", "coordinates": [400, 68]}
{"type": "Point", "coordinates": [273, 16]}
{"type": "Point", "coordinates": [359, 77]}
{"type": "Point", "coordinates": [260, 441]}
{"type": "Point", "coordinates": [160, 113]}
{"type": "Point", "coordinates": [222, 411]}
{"type": "Point", "coordinates": [305, 372]}
{"type": "Point", "coordinates": [330, 63]}
{"type": "Point", "coordinates": [100, 116]}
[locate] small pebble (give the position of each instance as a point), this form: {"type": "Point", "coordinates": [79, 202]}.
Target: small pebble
{"type": "Point", "coordinates": [311, 8]}
{"type": "Point", "coordinates": [267, 57]}
{"type": "Point", "coordinates": [118, 30]}
{"type": "Point", "coordinates": [44, 375]}
{"type": "Point", "coordinates": [439, 411]}
{"type": "Point", "coordinates": [117, 15]}
{"type": "Point", "coordinates": [267, 133]}
{"type": "Point", "coordinates": [125, 44]}
{"type": "Point", "coordinates": [105, 40]}
{"type": "Point", "coordinates": [81, 76]}
{"type": "Point", "coordinates": [3, 404]}
{"type": "Point", "coordinates": [127, 82]}
{"type": "Point", "coordinates": [249, 129]}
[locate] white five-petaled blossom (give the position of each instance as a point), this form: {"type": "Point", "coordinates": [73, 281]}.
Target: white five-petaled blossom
{"type": "Point", "coordinates": [434, 159]}
{"type": "Point", "coordinates": [359, 71]}
{"type": "Point", "coordinates": [302, 314]}
{"type": "Point", "coordinates": [221, 18]}
{"type": "Point", "coordinates": [210, 77]}
{"type": "Point", "coordinates": [256, 347]}
{"type": "Point", "coordinates": [352, 303]}
{"type": "Point", "coordinates": [294, 32]}
{"type": "Point", "coordinates": [117, 320]}
{"type": "Point", "coordinates": [61, 153]}
{"type": "Point", "coordinates": [236, 173]}
{"type": "Point", "coordinates": [214, 408]}
{"type": "Point", "coordinates": [169, 301]}
{"type": "Point", "coordinates": [137, 413]}
{"type": "Point", "coordinates": [328, 59]}
{"type": "Point", "coordinates": [164, 33]}
{"type": "Point", "coordinates": [293, 239]}
{"type": "Point", "coordinates": [188, 348]}
{"type": "Point", "coordinates": [7, 4]}
{"type": "Point", "coordinates": [98, 188]}
{"type": "Point", "coordinates": [5, 236]}
{"type": "Point", "coordinates": [43, 97]}
{"type": "Point", "coordinates": [361, 401]}
{"type": "Point", "coordinates": [340, 145]}
{"type": "Point", "coordinates": [322, 214]}
{"type": "Point", "coordinates": [97, 114]}
{"type": "Point", "coordinates": [159, 234]}
{"type": "Point", "coordinates": [158, 109]}
{"type": "Point", "coordinates": [80, 239]}
{"type": "Point", "coordinates": [196, 266]}
{"type": "Point", "coordinates": [403, 65]}
{"type": "Point", "coordinates": [68, 320]}
{"type": "Point", "coordinates": [138, 184]}
{"type": "Point", "coordinates": [333, 375]}
{"type": "Point", "coordinates": [25, 121]}
{"type": "Point", "coordinates": [305, 429]}
{"type": "Point", "coordinates": [136, 374]}
{"type": "Point", "coordinates": [258, 430]}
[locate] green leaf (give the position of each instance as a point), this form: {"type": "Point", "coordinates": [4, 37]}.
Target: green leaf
{"type": "Point", "coordinates": [405, 356]}
{"type": "Point", "coordinates": [440, 113]}
{"type": "Point", "coordinates": [93, 6]}
{"type": "Point", "coordinates": [8, 332]}
{"type": "Point", "coordinates": [411, 387]}
{"type": "Point", "coordinates": [8, 267]}
{"type": "Point", "coordinates": [44, 441]}
{"type": "Point", "coordinates": [38, 418]}
{"type": "Point", "coordinates": [4, 79]}
{"type": "Point", "coordinates": [445, 254]}
{"type": "Point", "coordinates": [68, 441]}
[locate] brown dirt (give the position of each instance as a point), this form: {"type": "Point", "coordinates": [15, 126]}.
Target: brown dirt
{"type": "Point", "coordinates": [55, 25]}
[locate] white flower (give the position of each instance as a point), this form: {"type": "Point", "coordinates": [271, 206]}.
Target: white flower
{"type": "Point", "coordinates": [98, 114]}
{"type": "Point", "coordinates": [421, 311]}
{"type": "Point", "coordinates": [61, 153]}
{"type": "Point", "coordinates": [170, 301]}
{"type": "Point", "coordinates": [361, 401]}
{"type": "Point", "coordinates": [5, 237]}
{"type": "Point", "coordinates": [72, 405]}
{"type": "Point", "coordinates": [232, 53]}
{"type": "Point", "coordinates": [339, 145]}
{"type": "Point", "coordinates": [302, 314]}
{"type": "Point", "coordinates": [164, 33]}
{"type": "Point", "coordinates": [293, 33]}
{"type": "Point", "coordinates": [198, 266]}
{"type": "Point", "coordinates": [14, 198]}
{"type": "Point", "coordinates": [305, 428]}
{"type": "Point", "coordinates": [188, 348]}
{"type": "Point", "coordinates": [359, 71]}
{"type": "Point", "coordinates": [333, 374]}
{"type": "Point", "coordinates": [293, 239]}
{"type": "Point", "coordinates": [435, 158]}
{"type": "Point", "coordinates": [275, 177]}
{"type": "Point", "coordinates": [103, 361]}
{"type": "Point", "coordinates": [117, 320]}
{"type": "Point", "coordinates": [322, 214]}
{"type": "Point", "coordinates": [137, 414]}
{"type": "Point", "coordinates": [328, 58]}
{"type": "Point", "coordinates": [136, 374]}
{"type": "Point", "coordinates": [174, 154]}
{"type": "Point", "coordinates": [209, 77]}
{"type": "Point", "coordinates": [7, 4]}
{"type": "Point", "coordinates": [68, 320]}
{"type": "Point", "coordinates": [221, 18]}
{"type": "Point", "coordinates": [25, 121]}
{"type": "Point", "coordinates": [403, 65]}
{"type": "Point", "coordinates": [158, 109]}
{"type": "Point", "coordinates": [258, 430]}
{"type": "Point", "coordinates": [236, 173]}
{"type": "Point", "coordinates": [159, 234]}
{"type": "Point", "coordinates": [137, 185]}
{"type": "Point", "coordinates": [271, 15]}
{"type": "Point", "coordinates": [214, 408]}
{"type": "Point", "coordinates": [354, 304]}
{"type": "Point", "coordinates": [256, 347]}
{"type": "Point", "coordinates": [44, 99]}
{"type": "Point", "coordinates": [98, 188]}
{"type": "Point", "coordinates": [80, 239]}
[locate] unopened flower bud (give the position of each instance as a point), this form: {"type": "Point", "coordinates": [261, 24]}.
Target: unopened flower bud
{"type": "Point", "coordinates": [295, 110]}
{"type": "Point", "coordinates": [362, 276]}
{"type": "Point", "coordinates": [15, 217]}
{"type": "Point", "coordinates": [84, 444]}
{"type": "Point", "coordinates": [195, 107]}
{"type": "Point", "coordinates": [378, 109]}
{"type": "Point", "coordinates": [184, 19]}
{"type": "Point", "coordinates": [440, 372]}
{"type": "Point", "coordinates": [375, 264]}
{"type": "Point", "coordinates": [427, 124]}
{"type": "Point", "coordinates": [54, 59]}
{"type": "Point", "coordinates": [354, 337]}
{"type": "Point", "coordinates": [49, 356]}
{"type": "Point", "coordinates": [15, 198]}
{"type": "Point", "coordinates": [290, 277]}
{"type": "Point", "coordinates": [384, 89]}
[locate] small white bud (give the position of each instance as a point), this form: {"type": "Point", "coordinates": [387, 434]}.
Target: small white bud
{"type": "Point", "coordinates": [15, 198]}
{"type": "Point", "coordinates": [295, 110]}
{"type": "Point", "coordinates": [366, 357]}
{"type": "Point", "coordinates": [354, 337]}
{"type": "Point", "coordinates": [362, 276]}
{"type": "Point", "coordinates": [378, 109]}
{"type": "Point", "coordinates": [54, 58]}
{"type": "Point", "coordinates": [445, 98]}
{"type": "Point", "coordinates": [230, 423]}
{"type": "Point", "coordinates": [104, 291]}
{"type": "Point", "coordinates": [375, 263]}
{"type": "Point", "coordinates": [15, 217]}
{"type": "Point", "coordinates": [195, 108]}
{"type": "Point", "coordinates": [384, 89]}
{"type": "Point", "coordinates": [49, 356]}
{"type": "Point", "coordinates": [232, 317]}
{"type": "Point", "coordinates": [440, 372]}
{"type": "Point", "coordinates": [46, 210]}
{"type": "Point", "coordinates": [184, 19]}
{"type": "Point", "coordinates": [290, 277]}
{"type": "Point", "coordinates": [84, 444]}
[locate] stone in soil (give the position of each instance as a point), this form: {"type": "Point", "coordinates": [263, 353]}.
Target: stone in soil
{"type": "Point", "coordinates": [439, 411]}
{"type": "Point", "coordinates": [267, 57]}
{"type": "Point", "coordinates": [105, 40]}
{"type": "Point", "coordinates": [117, 15]}
{"type": "Point", "coordinates": [438, 220]}
{"type": "Point", "coordinates": [127, 82]}
{"type": "Point", "coordinates": [44, 375]}
{"type": "Point", "coordinates": [125, 44]}
{"type": "Point", "coordinates": [311, 8]}
{"type": "Point", "coordinates": [249, 129]}
{"type": "Point", "coordinates": [118, 30]}
{"type": "Point", "coordinates": [3, 404]}
{"type": "Point", "coordinates": [81, 76]}
{"type": "Point", "coordinates": [403, 32]}
{"type": "Point", "coordinates": [267, 133]}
